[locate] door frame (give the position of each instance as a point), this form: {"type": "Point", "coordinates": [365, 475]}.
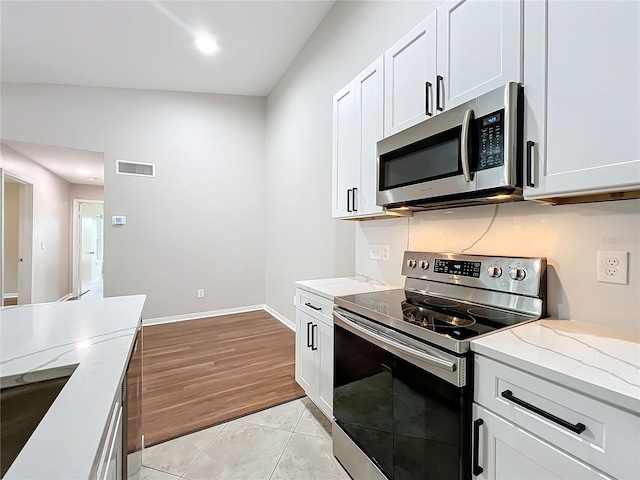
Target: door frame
{"type": "Point", "coordinates": [76, 249]}
{"type": "Point", "coordinates": [25, 247]}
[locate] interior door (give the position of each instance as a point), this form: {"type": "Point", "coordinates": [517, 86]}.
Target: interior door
{"type": "Point", "coordinates": [87, 243]}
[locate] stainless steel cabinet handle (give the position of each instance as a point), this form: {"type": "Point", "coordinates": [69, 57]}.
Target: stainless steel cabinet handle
{"type": "Point", "coordinates": [530, 172]}
{"type": "Point", "coordinates": [439, 88]}
{"type": "Point", "coordinates": [477, 469]}
{"type": "Point", "coordinates": [313, 306]}
{"type": "Point", "coordinates": [427, 96]}
{"type": "Point", "coordinates": [464, 145]}
{"type": "Point", "coordinates": [577, 428]}
{"type": "Point", "coordinates": [413, 352]}
{"type": "Point", "coordinates": [354, 193]}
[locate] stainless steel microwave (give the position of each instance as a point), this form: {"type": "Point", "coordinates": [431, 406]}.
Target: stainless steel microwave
{"type": "Point", "coordinates": [471, 154]}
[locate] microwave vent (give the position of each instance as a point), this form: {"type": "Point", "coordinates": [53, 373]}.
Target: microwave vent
{"type": "Point", "coordinates": [135, 168]}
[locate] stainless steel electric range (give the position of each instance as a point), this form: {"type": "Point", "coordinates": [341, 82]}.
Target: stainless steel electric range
{"type": "Point", "coordinates": [403, 380]}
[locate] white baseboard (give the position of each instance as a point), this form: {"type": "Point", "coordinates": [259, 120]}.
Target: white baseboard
{"type": "Point", "coordinates": [216, 313]}
{"type": "Point", "coordinates": [65, 298]}
{"type": "Point", "coordinates": [197, 315]}
{"type": "Point", "coordinates": [280, 317]}
{"type": "Point", "coordinates": [10, 295]}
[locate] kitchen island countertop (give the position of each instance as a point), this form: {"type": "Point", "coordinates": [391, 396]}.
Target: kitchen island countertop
{"type": "Point", "coordinates": [600, 362]}
{"type": "Point", "coordinates": [92, 341]}
{"type": "Point", "coordinates": [336, 287]}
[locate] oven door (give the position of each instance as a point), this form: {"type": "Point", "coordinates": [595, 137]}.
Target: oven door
{"type": "Point", "coordinates": [390, 399]}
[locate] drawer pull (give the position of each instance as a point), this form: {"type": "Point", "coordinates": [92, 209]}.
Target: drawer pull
{"type": "Point", "coordinates": [314, 307]}
{"type": "Point", "coordinates": [477, 469]}
{"type": "Point", "coordinates": [577, 428]}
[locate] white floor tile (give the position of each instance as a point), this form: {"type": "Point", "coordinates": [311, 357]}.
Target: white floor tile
{"type": "Point", "coordinates": [309, 458]}
{"type": "Point", "coordinates": [176, 456]}
{"type": "Point", "coordinates": [313, 422]}
{"type": "Point", "coordinates": [242, 451]}
{"type": "Point", "coordinates": [151, 474]}
{"type": "Point", "coordinates": [284, 417]}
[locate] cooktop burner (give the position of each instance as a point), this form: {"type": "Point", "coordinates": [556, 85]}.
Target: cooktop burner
{"type": "Point", "coordinates": [440, 302]}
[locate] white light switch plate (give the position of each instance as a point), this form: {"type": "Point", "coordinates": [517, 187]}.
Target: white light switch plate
{"type": "Point", "coordinates": [376, 252]}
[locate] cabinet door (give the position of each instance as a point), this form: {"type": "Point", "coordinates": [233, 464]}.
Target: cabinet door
{"type": "Point", "coordinates": [582, 86]}
{"type": "Point", "coordinates": [324, 342]}
{"type": "Point", "coordinates": [507, 452]}
{"type": "Point", "coordinates": [479, 48]}
{"type": "Point", "coordinates": [369, 98]}
{"type": "Point", "coordinates": [408, 68]}
{"type": "Point", "coordinates": [344, 155]}
{"type": "Point", "coordinates": [305, 356]}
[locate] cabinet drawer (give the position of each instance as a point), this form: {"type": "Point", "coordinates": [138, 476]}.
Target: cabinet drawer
{"type": "Point", "coordinates": [609, 441]}
{"type": "Point", "coordinates": [318, 307]}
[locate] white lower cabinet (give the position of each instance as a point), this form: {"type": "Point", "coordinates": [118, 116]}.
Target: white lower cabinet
{"type": "Point", "coordinates": [526, 427]}
{"type": "Point", "coordinates": [508, 452]}
{"type": "Point", "coordinates": [110, 464]}
{"type": "Point", "coordinates": [314, 349]}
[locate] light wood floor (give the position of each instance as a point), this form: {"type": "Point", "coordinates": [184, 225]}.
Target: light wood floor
{"type": "Point", "coordinates": [199, 373]}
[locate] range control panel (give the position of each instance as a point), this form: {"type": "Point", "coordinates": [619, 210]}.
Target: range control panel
{"type": "Point", "coordinates": [523, 275]}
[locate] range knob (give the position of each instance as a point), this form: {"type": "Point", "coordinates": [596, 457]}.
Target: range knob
{"type": "Point", "coordinates": [424, 264]}
{"type": "Point", "coordinates": [517, 273]}
{"type": "Point", "coordinates": [494, 271]}
{"type": "Point", "coordinates": [411, 263]}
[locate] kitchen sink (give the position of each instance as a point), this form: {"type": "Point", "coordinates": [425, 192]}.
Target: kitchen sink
{"type": "Point", "coordinates": [22, 408]}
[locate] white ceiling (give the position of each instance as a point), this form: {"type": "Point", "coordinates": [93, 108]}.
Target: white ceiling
{"type": "Point", "coordinates": [148, 44]}
{"type": "Point", "coordinates": [64, 161]}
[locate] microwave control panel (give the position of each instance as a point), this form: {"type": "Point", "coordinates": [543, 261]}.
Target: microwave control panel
{"type": "Point", "coordinates": [491, 140]}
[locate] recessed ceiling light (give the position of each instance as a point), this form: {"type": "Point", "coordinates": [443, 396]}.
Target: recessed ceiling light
{"type": "Point", "coordinates": [205, 43]}
{"type": "Point", "coordinates": [82, 171]}
{"type": "Point", "coordinates": [93, 178]}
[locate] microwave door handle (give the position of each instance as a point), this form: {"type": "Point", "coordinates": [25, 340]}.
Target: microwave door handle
{"type": "Point", "coordinates": [464, 145]}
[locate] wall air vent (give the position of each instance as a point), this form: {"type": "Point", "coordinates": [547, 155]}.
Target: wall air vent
{"type": "Point", "coordinates": [124, 167]}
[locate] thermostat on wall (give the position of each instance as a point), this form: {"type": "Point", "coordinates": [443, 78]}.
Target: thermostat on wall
{"type": "Point", "coordinates": [118, 220]}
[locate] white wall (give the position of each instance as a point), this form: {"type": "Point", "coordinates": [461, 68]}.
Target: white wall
{"type": "Point", "coordinates": [200, 222]}
{"type": "Point", "coordinates": [11, 223]}
{"type": "Point", "coordinates": [87, 192]}
{"type": "Point", "coordinates": [302, 241]}
{"type": "Point", "coordinates": [51, 225]}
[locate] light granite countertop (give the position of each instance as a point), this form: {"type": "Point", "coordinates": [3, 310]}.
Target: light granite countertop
{"type": "Point", "coordinates": [600, 362]}
{"type": "Point", "coordinates": [92, 339]}
{"type": "Point", "coordinates": [336, 287]}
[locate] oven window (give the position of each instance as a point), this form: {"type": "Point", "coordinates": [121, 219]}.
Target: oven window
{"type": "Point", "coordinates": [412, 424]}
{"type": "Point", "coordinates": [429, 159]}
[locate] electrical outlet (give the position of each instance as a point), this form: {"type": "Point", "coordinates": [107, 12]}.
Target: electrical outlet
{"type": "Point", "coordinates": [376, 252]}
{"type": "Point", "coordinates": [201, 293]}
{"type": "Point", "coordinates": [612, 267]}
{"type": "Point", "coordinates": [385, 253]}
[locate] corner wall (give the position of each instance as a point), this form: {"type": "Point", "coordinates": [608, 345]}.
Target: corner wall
{"type": "Point", "coordinates": [302, 240]}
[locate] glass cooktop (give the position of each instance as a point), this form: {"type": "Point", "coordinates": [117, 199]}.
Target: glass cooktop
{"type": "Point", "coordinates": [440, 320]}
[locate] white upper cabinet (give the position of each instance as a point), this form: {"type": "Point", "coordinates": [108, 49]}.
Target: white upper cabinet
{"type": "Point", "coordinates": [409, 74]}
{"type": "Point", "coordinates": [344, 151]}
{"type": "Point", "coordinates": [582, 85]}
{"type": "Point", "coordinates": [479, 48]}
{"type": "Point", "coordinates": [369, 118]}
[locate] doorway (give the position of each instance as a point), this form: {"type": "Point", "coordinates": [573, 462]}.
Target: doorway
{"type": "Point", "coordinates": [88, 255]}
{"type": "Point", "coordinates": [17, 240]}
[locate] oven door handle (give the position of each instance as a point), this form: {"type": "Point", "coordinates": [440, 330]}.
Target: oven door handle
{"type": "Point", "coordinates": [368, 334]}
{"type": "Point", "coordinates": [464, 145]}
